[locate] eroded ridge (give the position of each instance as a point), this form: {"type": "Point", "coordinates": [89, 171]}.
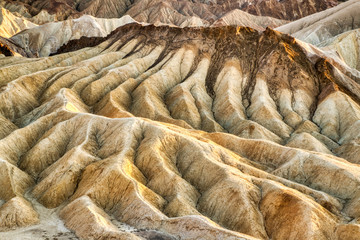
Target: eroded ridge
{"type": "Point", "coordinates": [219, 133]}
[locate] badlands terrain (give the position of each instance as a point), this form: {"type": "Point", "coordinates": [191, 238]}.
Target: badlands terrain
{"type": "Point", "coordinates": [171, 11]}
{"type": "Point", "coordinates": [141, 127]}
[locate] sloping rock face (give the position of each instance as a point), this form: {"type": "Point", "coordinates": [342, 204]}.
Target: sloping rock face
{"type": "Point", "coordinates": [17, 212]}
{"type": "Point", "coordinates": [26, 12]}
{"type": "Point", "coordinates": [9, 48]}
{"type": "Point", "coordinates": [182, 133]}
{"type": "Point", "coordinates": [183, 13]}
{"type": "Point", "coordinates": [179, 13]}
{"type": "Point", "coordinates": [346, 46]}
{"type": "Point", "coordinates": [48, 38]}
{"type": "Point", "coordinates": [287, 10]}
{"type": "Point", "coordinates": [325, 25]}
{"type": "Point", "coordinates": [335, 30]}
{"type": "Point", "coordinates": [11, 24]}
{"type": "Point", "coordinates": [241, 18]}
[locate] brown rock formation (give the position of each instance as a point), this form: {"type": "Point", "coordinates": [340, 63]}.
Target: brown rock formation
{"type": "Point", "coordinates": [213, 133]}
{"type": "Point", "coordinates": [48, 38]}
{"type": "Point", "coordinates": [180, 13]}
{"type": "Point", "coordinates": [288, 10]}
{"type": "Point", "coordinates": [241, 18]}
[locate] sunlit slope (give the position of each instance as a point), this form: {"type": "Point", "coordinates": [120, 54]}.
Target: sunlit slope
{"type": "Point", "coordinates": [215, 133]}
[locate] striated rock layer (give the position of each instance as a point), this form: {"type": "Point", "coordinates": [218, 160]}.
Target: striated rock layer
{"type": "Point", "coordinates": [48, 38]}
{"type": "Point", "coordinates": [335, 30]}
{"type": "Point", "coordinates": [177, 12]}
{"type": "Point", "coordinates": [240, 18]}
{"type": "Point", "coordinates": [346, 46]}
{"type": "Point", "coordinates": [171, 133]}
{"type": "Point", "coordinates": [321, 26]}
{"type": "Point", "coordinates": [11, 24]}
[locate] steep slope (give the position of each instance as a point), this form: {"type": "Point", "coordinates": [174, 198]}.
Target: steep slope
{"type": "Point", "coordinates": [48, 38]}
{"type": "Point", "coordinates": [27, 12]}
{"type": "Point", "coordinates": [17, 8]}
{"type": "Point", "coordinates": [104, 8]}
{"type": "Point", "coordinates": [334, 30]}
{"type": "Point", "coordinates": [287, 10]}
{"type": "Point", "coordinates": [10, 24]}
{"type": "Point", "coordinates": [170, 11]}
{"type": "Point", "coordinates": [322, 26]}
{"type": "Point", "coordinates": [207, 10]}
{"type": "Point", "coordinates": [241, 18]}
{"type": "Point", "coordinates": [347, 46]}
{"type": "Point", "coordinates": [190, 133]}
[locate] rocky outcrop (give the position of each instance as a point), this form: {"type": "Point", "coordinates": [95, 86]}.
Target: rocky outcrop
{"type": "Point", "coordinates": [48, 38]}
{"type": "Point", "coordinates": [287, 10]}
{"type": "Point", "coordinates": [28, 13]}
{"type": "Point", "coordinates": [346, 46]}
{"type": "Point", "coordinates": [17, 212]}
{"type": "Point", "coordinates": [10, 24]}
{"type": "Point", "coordinates": [325, 25]}
{"type": "Point", "coordinates": [335, 31]}
{"type": "Point", "coordinates": [180, 13]}
{"type": "Point", "coordinates": [214, 133]}
{"type": "Point", "coordinates": [241, 18]}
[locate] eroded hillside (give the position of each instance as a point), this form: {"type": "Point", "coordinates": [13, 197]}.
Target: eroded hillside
{"type": "Point", "coordinates": [334, 30]}
{"type": "Point", "coordinates": [177, 12]}
{"type": "Point", "coordinates": [213, 133]}
{"type": "Point", "coordinates": [321, 27]}
{"type": "Point", "coordinates": [11, 24]}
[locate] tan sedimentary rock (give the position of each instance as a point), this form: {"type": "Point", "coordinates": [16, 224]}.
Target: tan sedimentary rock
{"type": "Point", "coordinates": [11, 24]}
{"type": "Point", "coordinates": [171, 11]}
{"type": "Point", "coordinates": [345, 45]}
{"type": "Point", "coordinates": [90, 216]}
{"type": "Point", "coordinates": [324, 25]}
{"type": "Point", "coordinates": [307, 141]}
{"type": "Point", "coordinates": [279, 206]}
{"type": "Point", "coordinates": [240, 18]}
{"type": "Point", "coordinates": [16, 8]}
{"type": "Point", "coordinates": [351, 232]}
{"type": "Point", "coordinates": [6, 127]}
{"type": "Point", "coordinates": [203, 133]}
{"type": "Point", "coordinates": [48, 38]}
{"type": "Point", "coordinates": [13, 180]}
{"type": "Point", "coordinates": [335, 30]}
{"type": "Point", "coordinates": [17, 212]}
{"type": "Point", "coordinates": [29, 14]}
